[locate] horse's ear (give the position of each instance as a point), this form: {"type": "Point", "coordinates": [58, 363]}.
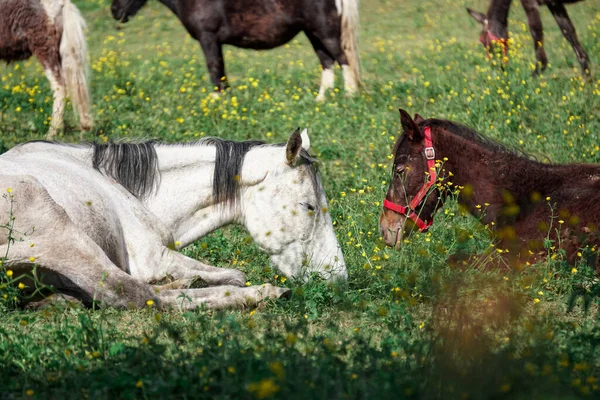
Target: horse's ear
{"type": "Point", "coordinates": [305, 139]}
{"type": "Point", "coordinates": [293, 147]}
{"type": "Point", "coordinates": [479, 17]}
{"type": "Point", "coordinates": [418, 119]}
{"type": "Point", "coordinates": [410, 128]}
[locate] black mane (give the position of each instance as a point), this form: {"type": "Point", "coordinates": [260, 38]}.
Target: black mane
{"type": "Point", "coordinates": [135, 165]}
{"type": "Point", "coordinates": [228, 166]}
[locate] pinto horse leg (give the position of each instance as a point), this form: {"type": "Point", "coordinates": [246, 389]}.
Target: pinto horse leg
{"type": "Point", "coordinates": [57, 85]}
{"type": "Point", "coordinates": [566, 26]}
{"type": "Point", "coordinates": [213, 52]}
{"type": "Point", "coordinates": [327, 62]}
{"type": "Point", "coordinates": [535, 26]}
{"type": "Point", "coordinates": [333, 46]}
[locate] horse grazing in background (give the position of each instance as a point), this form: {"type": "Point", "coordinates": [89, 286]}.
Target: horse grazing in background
{"type": "Point", "coordinates": [331, 27]}
{"type": "Point", "coordinates": [495, 28]}
{"type": "Point", "coordinates": [103, 221]}
{"type": "Point", "coordinates": [522, 201]}
{"type": "Point", "coordinates": [52, 30]}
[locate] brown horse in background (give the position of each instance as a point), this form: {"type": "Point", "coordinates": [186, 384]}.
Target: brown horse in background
{"type": "Point", "coordinates": [331, 27]}
{"type": "Point", "coordinates": [522, 201]}
{"type": "Point", "coordinates": [495, 28]}
{"type": "Point", "coordinates": [52, 30]}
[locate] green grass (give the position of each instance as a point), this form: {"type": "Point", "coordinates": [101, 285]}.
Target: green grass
{"type": "Point", "coordinates": [407, 325]}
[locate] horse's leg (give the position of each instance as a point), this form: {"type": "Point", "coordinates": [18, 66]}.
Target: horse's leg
{"type": "Point", "coordinates": [187, 270]}
{"type": "Point", "coordinates": [213, 52]}
{"type": "Point", "coordinates": [220, 296]}
{"type": "Point", "coordinates": [52, 70]}
{"type": "Point", "coordinates": [535, 27]}
{"type": "Point", "coordinates": [327, 62]}
{"type": "Point", "coordinates": [566, 26]}
{"type": "Point", "coordinates": [333, 45]}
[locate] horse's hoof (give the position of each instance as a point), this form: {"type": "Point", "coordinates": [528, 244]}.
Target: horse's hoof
{"type": "Point", "coordinates": [198, 283]}
{"type": "Point", "coordinates": [275, 292]}
{"type": "Point", "coordinates": [285, 293]}
{"type": "Point", "coordinates": [87, 127]}
{"type": "Point", "coordinates": [238, 279]}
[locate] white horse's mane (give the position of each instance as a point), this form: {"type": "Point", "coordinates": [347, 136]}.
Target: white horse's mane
{"type": "Point", "coordinates": [135, 164]}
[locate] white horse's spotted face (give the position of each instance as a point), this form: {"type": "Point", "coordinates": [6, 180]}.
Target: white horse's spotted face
{"type": "Point", "coordinates": [286, 211]}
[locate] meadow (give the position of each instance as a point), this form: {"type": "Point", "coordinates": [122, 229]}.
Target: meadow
{"type": "Point", "coordinates": [406, 324]}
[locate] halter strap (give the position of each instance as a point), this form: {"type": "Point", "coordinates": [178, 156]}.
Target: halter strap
{"type": "Point", "coordinates": [409, 210]}
{"type": "Point", "coordinates": [503, 42]}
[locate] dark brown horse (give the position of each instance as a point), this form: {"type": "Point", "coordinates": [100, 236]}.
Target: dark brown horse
{"type": "Point", "coordinates": [331, 27]}
{"type": "Point", "coordinates": [522, 201]}
{"type": "Point", "coordinates": [495, 28]}
{"type": "Point", "coordinates": [52, 30]}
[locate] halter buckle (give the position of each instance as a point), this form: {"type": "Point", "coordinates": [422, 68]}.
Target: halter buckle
{"type": "Point", "coordinates": [429, 153]}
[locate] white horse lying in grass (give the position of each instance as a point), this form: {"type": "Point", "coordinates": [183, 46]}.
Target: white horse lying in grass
{"type": "Point", "coordinates": [103, 221]}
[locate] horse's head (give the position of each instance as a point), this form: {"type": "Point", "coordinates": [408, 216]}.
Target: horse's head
{"type": "Point", "coordinates": [488, 38]}
{"type": "Point", "coordinates": [286, 211]}
{"type": "Point", "coordinates": [411, 198]}
{"type": "Point", "coordinates": [123, 9]}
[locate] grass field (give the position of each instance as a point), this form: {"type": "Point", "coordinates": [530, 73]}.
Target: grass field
{"type": "Point", "coordinates": [406, 325]}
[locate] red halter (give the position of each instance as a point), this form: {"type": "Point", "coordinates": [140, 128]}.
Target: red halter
{"type": "Point", "coordinates": [409, 210]}
{"type": "Point", "coordinates": [493, 38]}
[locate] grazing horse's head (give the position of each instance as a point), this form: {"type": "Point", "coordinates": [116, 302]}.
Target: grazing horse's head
{"type": "Point", "coordinates": [123, 9]}
{"type": "Point", "coordinates": [411, 199]}
{"type": "Point", "coordinates": [286, 211]}
{"type": "Point", "coordinates": [491, 37]}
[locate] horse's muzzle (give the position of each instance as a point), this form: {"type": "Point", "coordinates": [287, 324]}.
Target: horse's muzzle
{"type": "Point", "coordinates": [118, 14]}
{"type": "Point", "coordinates": [391, 233]}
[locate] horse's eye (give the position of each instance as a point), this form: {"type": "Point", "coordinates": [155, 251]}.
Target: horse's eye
{"type": "Point", "coordinates": [400, 168]}
{"type": "Point", "coordinates": [308, 206]}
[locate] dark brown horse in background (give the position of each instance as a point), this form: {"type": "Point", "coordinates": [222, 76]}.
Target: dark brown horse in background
{"type": "Point", "coordinates": [52, 30]}
{"type": "Point", "coordinates": [331, 27]}
{"type": "Point", "coordinates": [495, 28]}
{"type": "Point", "coordinates": [522, 201]}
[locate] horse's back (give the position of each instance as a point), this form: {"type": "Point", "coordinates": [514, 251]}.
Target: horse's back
{"type": "Point", "coordinates": [100, 207]}
{"type": "Point", "coordinates": [67, 187]}
{"type": "Point", "coordinates": [256, 24]}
